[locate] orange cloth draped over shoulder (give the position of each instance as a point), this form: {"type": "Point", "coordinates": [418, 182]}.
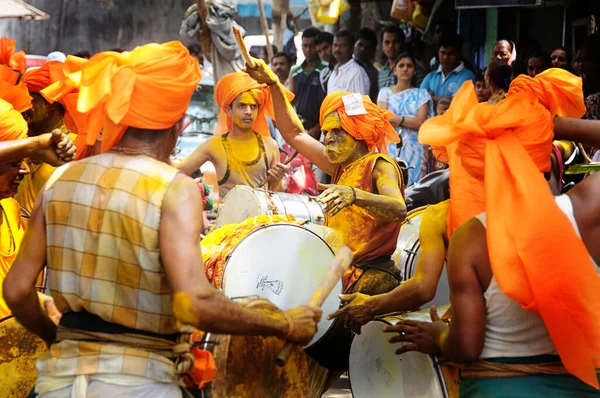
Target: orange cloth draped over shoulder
{"type": "Point", "coordinates": [147, 88]}
{"type": "Point", "coordinates": [536, 255]}
{"type": "Point", "coordinates": [9, 57]}
{"type": "Point", "coordinates": [236, 83]}
{"type": "Point", "coordinates": [372, 127]}
{"type": "Point", "coordinates": [16, 94]}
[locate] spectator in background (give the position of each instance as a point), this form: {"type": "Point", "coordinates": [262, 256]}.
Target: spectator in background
{"type": "Point", "coordinates": [83, 54]}
{"type": "Point", "coordinates": [537, 63]}
{"type": "Point", "coordinates": [306, 84]}
{"type": "Point", "coordinates": [581, 60]}
{"type": "Point", "coordinates": [416, 48]}
{"type": "Point", "coordinates": [392, 45]}
{"type": "Point", "coordinates": [442, 106]}
{"type": "Point", "coordinates": [364, 53]}
{"type": "Point", "coordinates": [498, 77]}
{"type": "Point", "coordinates": [411, 107]}
{"type": "Point", "coordinates": [281, 65]}
{"type": "Point", "coordinates": [262, 54]}
{"type": "Point", "coordinates": [451, 74]}
{"type": "Point", "coordinates": [324, 45]}
{"type": "Point", "coordinates": [505, 51]}
{"type": "Point", "coordinates": [442, 27]}
{"type": "Point", "coordinates": [347, 75]}
{"type": "Point", "coordinates": [560, 59]}
{"type": "Point", "coordinates": [481, 88]}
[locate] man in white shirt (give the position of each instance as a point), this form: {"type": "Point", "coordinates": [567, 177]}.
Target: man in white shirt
{"type": "Point", "coordinates": [347, 75]}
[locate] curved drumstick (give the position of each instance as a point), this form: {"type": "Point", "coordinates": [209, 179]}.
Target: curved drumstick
{"type": "Point", "coordinates": [288, 161]}
{"type": "Point", "coordinates": [242, 45]}
{"type": "Point", "coordinates": [339, 265]}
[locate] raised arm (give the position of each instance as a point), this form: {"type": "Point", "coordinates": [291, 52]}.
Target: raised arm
{"type": "Point", "coordinates": [195, 301]}
{"type": "Point", "coordinates": [288, 123]}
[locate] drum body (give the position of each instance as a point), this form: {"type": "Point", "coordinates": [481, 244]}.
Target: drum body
{"type": "Point", "coordinates": [244, 202]}
{"type": "Point", "coordinates": [376, 371]}
{"type": "Point", "coordinates": [19, 350]}
{"type": "Point", "coordinates": [407, 253]}
{"type": "Point", "coordinates": [283, 263]}
{"type": "Point", "coordinates": [246, 365]}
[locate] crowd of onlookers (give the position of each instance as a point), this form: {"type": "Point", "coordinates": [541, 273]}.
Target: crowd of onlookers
{"type": "Point", "coordinates": [414, 88]}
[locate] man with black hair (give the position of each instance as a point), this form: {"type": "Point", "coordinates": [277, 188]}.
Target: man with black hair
{"type": "Point", "coordinates": [392, 43]}
{"type": "Point", "coordinates": [364, 53]}
{"type": "Point", "coordinates": [281, 65]}
{"type": "Point", "coordinates": [347, 74]}
{"type": "Point", "coordinates": [306, 83]}
{"type": "Point", "coordinates": [324, 45]}
{"type": "Point", "coordinates": [451, 74]}
{"type": "Point", "coordinates": [537, 63]}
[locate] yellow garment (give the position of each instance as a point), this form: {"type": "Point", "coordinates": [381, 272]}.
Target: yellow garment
{"type": "Point", "coordinates": [11, 234]}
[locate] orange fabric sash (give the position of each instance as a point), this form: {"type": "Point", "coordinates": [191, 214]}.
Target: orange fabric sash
{"type": "Point", "coordinates": [536, 256]}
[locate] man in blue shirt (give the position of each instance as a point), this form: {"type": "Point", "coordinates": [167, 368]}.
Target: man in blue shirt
{"type": "Point", "coordinates": [451, 74]}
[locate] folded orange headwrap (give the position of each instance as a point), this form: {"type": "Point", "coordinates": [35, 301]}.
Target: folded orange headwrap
{"type": "Point", "coordinates": [236, 83]}
{"type": "Point", "coordinates": [149, 88]}
{"type": "Point", "coordinates": [17, 95]}
{"type": "Point", "coordinates": [12, 124]}
{"type": "Point", "coordinates": [9, 57]}
{"type": "Point", "coordinates": [373, 127]}
{"type": "Point", "coordinates": [536, 256]}
{"type": "Point", "coordinates": [40, 78]}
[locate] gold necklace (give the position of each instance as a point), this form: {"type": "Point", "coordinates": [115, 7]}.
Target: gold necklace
{"type": "Point", "coordinates": [261, 150]}
{"type": "Point", "coordinates": [133, 152]}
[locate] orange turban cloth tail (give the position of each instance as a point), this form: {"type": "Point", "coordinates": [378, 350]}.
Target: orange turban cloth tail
{"type": "Point", "coordinates": [147, 88]}
{"type": "Point", "coordinates": [236, 83]}
{"type": "Point", "coordinates": [372, 127]}
{"type": "Point", "coordinates": [8, 56]}
{"type": "Point", "coordinates": [38, 79]}
{"type": "Point", "coordinates": [16, 94]}
{"type": "Point", "coordinates": [536, 255]}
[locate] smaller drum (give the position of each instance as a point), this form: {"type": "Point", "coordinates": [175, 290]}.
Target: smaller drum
{"type": "Point", "coordinates": [243, 202]}
{"type": "Point", "coordinates": [246, 365]}
{"type": "Point", "coordinates": [407, 253]}
{"type": "Point", "coordinates": [376, 371]}
{"type": "Point", "coordinates": [19, 349]}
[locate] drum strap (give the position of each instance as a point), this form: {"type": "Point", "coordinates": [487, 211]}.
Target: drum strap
{"type": "Point", "coordinates": [485, 369]}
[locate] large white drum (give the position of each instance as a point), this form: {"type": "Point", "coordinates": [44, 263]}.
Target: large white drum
{"type": "Point", "coordinates": [376, 371]}
{"type": "Point", "coordinates": [283, 263]}
{"type": "Point", "coordinates": [243, 202]}
{"type": "Point", "coordinates": [407, 252]}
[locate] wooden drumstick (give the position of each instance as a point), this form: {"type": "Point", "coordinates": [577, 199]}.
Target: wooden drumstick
{"type": "Point", "coordinates": [338, 266]}
{"type": "Point", "coordinates": [242, 45]}
{"type": "Point", "coordinates": [288, 161]}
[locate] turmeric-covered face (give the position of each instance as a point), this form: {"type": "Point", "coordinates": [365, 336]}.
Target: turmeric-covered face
{"type": "Point", "coordinates": [243, 110]}
{"type": "Point", "coordinates": [339, 145]}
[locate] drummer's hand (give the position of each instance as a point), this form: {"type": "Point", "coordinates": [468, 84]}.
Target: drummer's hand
{"type": "Point", "coordinates": [47, 303]}
{"type": "Point", "coordinates": [305, 321]}
{"type": "Point", "coordinates": [418, 336]}
{"type": "Point", "coordinates": [261, 72]}
{"type": "Point", "coordinates": [358, 310]}
{"type": "Point", "coordinates": [276, 173]}
{"type": "Point", "coordinates": [336, 197]}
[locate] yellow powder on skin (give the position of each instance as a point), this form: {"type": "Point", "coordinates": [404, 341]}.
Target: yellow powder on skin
{"type": "Point", "coordinates": [183, 309]}
{"type": "Point", "coordinates": [343, 146]}
{"type": "Point", "coordinates": [245, 98]}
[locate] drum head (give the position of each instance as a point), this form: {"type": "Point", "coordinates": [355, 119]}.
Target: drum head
{"type": "Point", "coordinates": [376, 371]}
{"type": "Point", "coordinates": [283, 263]}
{"type": "Point", "coordinates": [239, 204]}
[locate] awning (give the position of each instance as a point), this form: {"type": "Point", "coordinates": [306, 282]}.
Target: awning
{"type": "Point", "coordinates": [20, 9]}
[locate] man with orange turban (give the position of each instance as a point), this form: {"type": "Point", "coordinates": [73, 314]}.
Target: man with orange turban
{"type": "Point", "coordinates": [365, 202]}
{"type": "Point", "coordinates": [242, 150]}
{"type": "Point", "coordinates": [42, 118]}
{"type": "Point", "coordinates": [522, 275]}
{"type": "Point", "coordinates": [119, 232]}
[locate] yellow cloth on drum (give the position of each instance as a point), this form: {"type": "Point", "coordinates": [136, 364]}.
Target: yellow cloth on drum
{"type": "Point", "coordinates": [11, 233]}
{"type": "Point", "coordinates": [218, 245]}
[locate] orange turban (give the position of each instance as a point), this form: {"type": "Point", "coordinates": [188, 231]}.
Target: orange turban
{"type": "Point", "coordinates": [16, 94]}
{"type": "Point", "coordinates": [536, 255]}
{"type": "Point", "coordinates": [148, 88]}
{"type": "Point", "coordinates": [40, 78]}
{"type": "Point", "coordinates": [12, 124]}
{"type": "Point", "coordinates": [9, 57]}
{"type": "Point", "coordinates": [372, 127]}
{"type": "Point", "coordinates": [236, 83]}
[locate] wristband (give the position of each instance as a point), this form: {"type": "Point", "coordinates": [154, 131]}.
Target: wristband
{"type": "Point", "coordinates": [354, 194]}
{"type": "Point", "coordinates": [402, 122]}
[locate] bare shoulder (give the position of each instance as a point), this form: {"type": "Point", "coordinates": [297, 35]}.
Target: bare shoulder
{"type": "Point", "coordinates": [469, 243]}
{"type": "Point", "coordinates": [182, 193]}
{"type": "Point", "coordinates": [386, 167]}
{"type": "Point", "coordinates": [435, 217]}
